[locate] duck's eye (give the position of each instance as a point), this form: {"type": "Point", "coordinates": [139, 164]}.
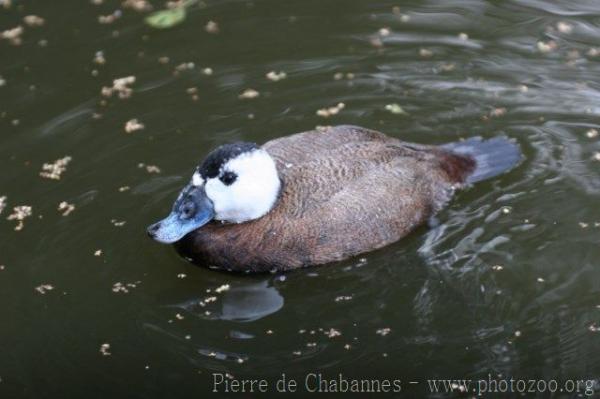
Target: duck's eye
{"type": "Point", "coordinates": [228, 178]}
{"type": "Point", "coordinates": [188, 209]}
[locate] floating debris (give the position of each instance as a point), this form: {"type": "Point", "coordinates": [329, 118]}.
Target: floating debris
{"type": "Point", "coordinates": [596, 156]}
{"type": "Point", "coordinates": [149, 168]}
{"type": "Point", "coordinates": [327, 112]}
{"type": "Point", "coordinates": [120, 86]}
{"type": "Point", "coordinates": [249, 94]}
{"type": "Point", "coordinates": [99, 58]}
{"type": "Point", "coordinates": [137, 5]}
{"type": "Point", "coordinates": [546, 47]}
{"type": "Point", "coordinates": [179, 316]}
{"type": "Point", "coordinates": [222, 288]}
{"type": "Point", "coordinates": [186, 66]}
{"type": "Point", "coordinates": [517, 333]}
{"type": "Point", "coordinates": [110, 18]}
{"type": "Point", "coordinates": [42, 289]}
{"type": "Point", "coordinates": [124, 188]}
{"type": "Point", "coordinates": [2, 81]}
{"type": "Point", "coordinates": [181, 275]}
{"type": "Point", "coordinates": [383, 331]}
{"type": "Point", "coordinates": [447, 67]}
{"type": "Point", "coordinates": [66, 208]}
{"type": "Point", "coordinates": [193, 92]}
{"type": "Point", "coordinates": [564, 27]}
{"type": "Point", "coordinates": [276, 76]}
{"type": "Point", "coordinates": [13, 35]}
{"type": "Point", "coordinates": [395, 109]}
{"type": "Point", "coordinates": [592, 133]}
{"type": "Point", "coordinates": [33, 21]}
{"type": "Point", "coordinates": [104, 349]}
{"type": "Point", "coordinates": [463, 36]}
{"type": "Point", "coordinates": [540, 280]}
{"type": "Point", "coordinates": [384, 32]}
{"type": "Point", "coordinates": [98, 252]}
{"type": "Point", "coordinates": [206, 301]}
{"type": "Point", "coordinates": [593, 52]}
{"type": "Point", "coordinates": [211, 27]}
{"type": "Point", "coordinates": [133, 125]}
{"type": "Point", "coordinates": [124, 287]}
{"type": "Point", "coordinates": [343, 298]}
{"type": "Point", "coordinates": [425, 53]}
{"type": "Point", "coordinates": [2, 203]}
{"type": "Point", "coordinates": [207, 71]}
{"type": "Point", "coordinates": [340, 76]}
{"type": "Point", "coordinates": [332, 333]}
{"type": "Point", "coordinates": [19, 214]}
{"type": "Point", "coordinates": [117, 223]}
{"type": "Point", "coordinates": [497, 112]}
{"type": "Point", "coordinates": [166, 18]}
{"type": "Point", "coordinates": [497, 267]}
{"type": "Point", "coordinates": [56, 169]}
{"type": "Point", "coordinates": [506, 210]}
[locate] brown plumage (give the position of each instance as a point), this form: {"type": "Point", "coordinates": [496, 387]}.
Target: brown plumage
{"type": "Point", "coordinates": [346, 190]}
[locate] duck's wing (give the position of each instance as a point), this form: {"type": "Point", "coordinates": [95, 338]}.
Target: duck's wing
{"type": "Point", "coordinates": [317, 164]}
{"type": "Point", "coordinates": [378, 208]}
{"type": "Point", "coordinates": [353, 191]}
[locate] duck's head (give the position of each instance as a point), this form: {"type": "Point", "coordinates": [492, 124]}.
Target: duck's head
{"type": "Point", "coordinates": [235, 183]}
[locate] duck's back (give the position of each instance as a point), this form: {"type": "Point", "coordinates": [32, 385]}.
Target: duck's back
{"type": "Point", "coordinates": [346, 190]}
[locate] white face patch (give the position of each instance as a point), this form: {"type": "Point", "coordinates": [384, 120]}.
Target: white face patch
{"type": "Point", "coordinates": [197, 180]}
{"type": "Point", "coordinates": [252, 193]}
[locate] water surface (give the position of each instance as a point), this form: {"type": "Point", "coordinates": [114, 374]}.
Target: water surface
{"type": "Point", "coordinates": [507, 284]}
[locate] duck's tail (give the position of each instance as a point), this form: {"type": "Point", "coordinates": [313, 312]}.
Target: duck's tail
{"type": "Point", "coordinates": [492, 157]}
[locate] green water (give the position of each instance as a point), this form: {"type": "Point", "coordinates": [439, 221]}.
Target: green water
{"type": "Point", "coordinates": [527, 69]}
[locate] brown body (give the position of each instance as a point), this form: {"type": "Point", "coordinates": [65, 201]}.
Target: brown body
{"type": "Point", "coordinates": [346, 190]}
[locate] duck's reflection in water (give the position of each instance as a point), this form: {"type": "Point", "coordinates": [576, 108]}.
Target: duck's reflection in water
{"type": "Point", "coordinates": [242, 303]}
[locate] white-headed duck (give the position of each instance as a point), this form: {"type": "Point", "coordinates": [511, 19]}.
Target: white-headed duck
{"type": "Point", "coordinates": [319, 196]}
